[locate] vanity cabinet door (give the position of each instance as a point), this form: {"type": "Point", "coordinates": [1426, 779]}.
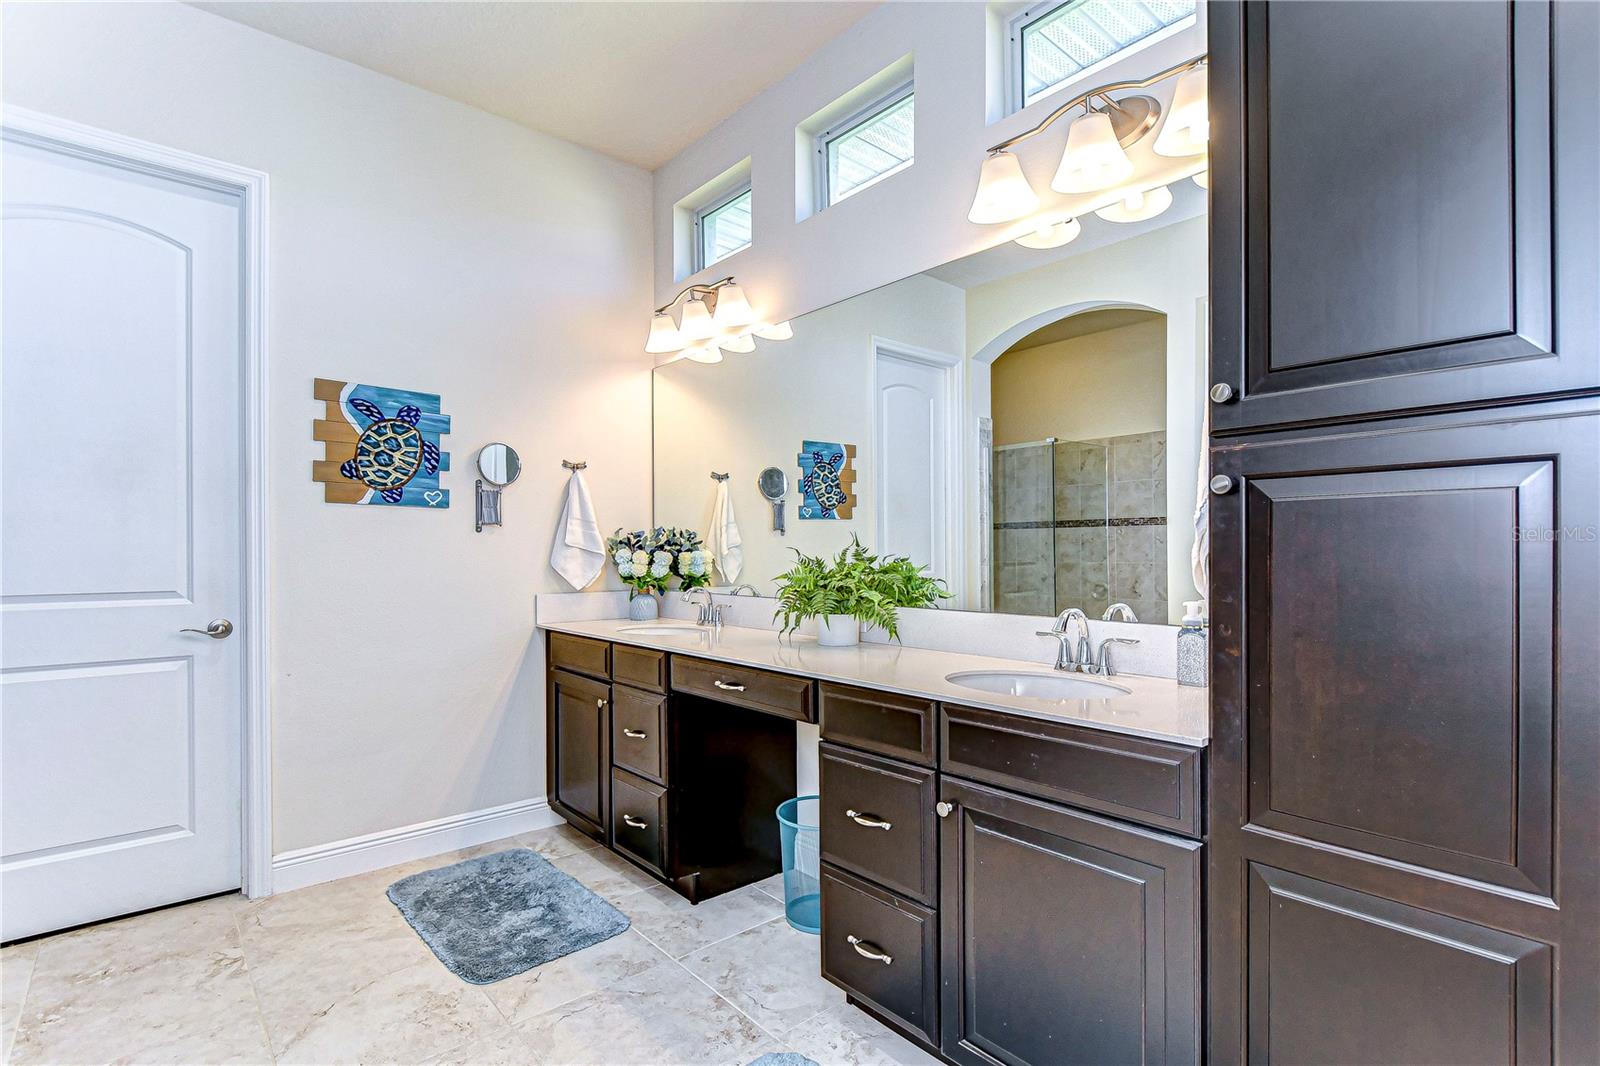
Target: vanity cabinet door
{"type": "Point", "coordinates": [1067, 938]}
{"type": "Point", "coordinates": [579, 729]}
{"type": "Point", "coordinates": [1406, 725]}
{"type": "Point", "coordinates": [1435, 249]}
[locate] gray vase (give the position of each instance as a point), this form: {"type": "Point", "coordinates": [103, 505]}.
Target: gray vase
{"type": "Point", "coordinates": [643, 607]}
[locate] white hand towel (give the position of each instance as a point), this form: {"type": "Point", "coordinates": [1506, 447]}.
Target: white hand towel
{"type": "Point", "coordinates": [1200, 551]}
{"type": "Point", "coordinates": [724, 540]}
{"type": "Point", "coordinates": [579, 551]}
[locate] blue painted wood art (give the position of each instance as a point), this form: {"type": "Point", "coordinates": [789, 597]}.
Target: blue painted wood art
{"type": "Point", "coordinates": [827, 480]}
{"type": "Point", "coordinates": [380, 446]}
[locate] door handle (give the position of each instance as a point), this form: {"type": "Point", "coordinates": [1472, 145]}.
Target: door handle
{"type": "Point", "coordinates": [871, 821]}
{"type": "Point", "coordinates": [728, 686]}
{"type": "Point", "coordinates": [218, 629]}
{"type": "Point", "coordinates": [868, 950]}
{"type": "Point", "coordinates": [636, 734]}
{"type": "Point", "coordinates": [634, 823]}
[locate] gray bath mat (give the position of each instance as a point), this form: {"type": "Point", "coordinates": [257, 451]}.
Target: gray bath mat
{"type": "Point", "coordinates": [495, 916]}
{"type": "Point", "coordinates": [783, 1058]}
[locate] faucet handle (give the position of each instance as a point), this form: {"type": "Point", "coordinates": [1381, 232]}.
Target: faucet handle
{"type": "Point", "coordinates": [1102, 664]}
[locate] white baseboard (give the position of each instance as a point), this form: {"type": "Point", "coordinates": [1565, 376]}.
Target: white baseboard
{"type": "Point", "coordinates": [358, 855]}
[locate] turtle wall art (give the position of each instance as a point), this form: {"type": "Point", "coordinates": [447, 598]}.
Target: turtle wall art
{"type": "Point", "coordinates": [380, 446]}
{"type": "Point", "coordinates": [827, 480]}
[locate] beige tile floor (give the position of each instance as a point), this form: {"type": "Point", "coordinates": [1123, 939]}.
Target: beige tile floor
{"type": "Point", "coordinates": [333, 973]}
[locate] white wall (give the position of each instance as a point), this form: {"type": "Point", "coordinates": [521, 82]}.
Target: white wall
{"type": "Point", "coordinates": [752, 411]}
{"type": "Point", "coordinates": [1166, 270]}
{"type": "Point", "coordinates": [1104, 384]}
{"type": "Point", "coordinates": [418, 243]}
{"type": "Point", "coordinates": [916, 219]}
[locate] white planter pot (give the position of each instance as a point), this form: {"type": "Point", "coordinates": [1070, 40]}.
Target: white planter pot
{"type": "Point", "coordinates": [838, 631]}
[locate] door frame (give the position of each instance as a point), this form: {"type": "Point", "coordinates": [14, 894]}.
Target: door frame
{"type": "Point", "coordinates": [89, 142]}
{"type": "Point", "coordinates": [955, 387]}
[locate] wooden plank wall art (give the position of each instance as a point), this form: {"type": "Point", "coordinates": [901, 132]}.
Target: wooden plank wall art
{"type": "Point", "coordinates": [380, 446]}
{"type": "Point", "coordinates": [827, 480]}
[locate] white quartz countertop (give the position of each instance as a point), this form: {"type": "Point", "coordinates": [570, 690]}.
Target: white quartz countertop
{"type": "Point", "coordinates": [1154, 707]}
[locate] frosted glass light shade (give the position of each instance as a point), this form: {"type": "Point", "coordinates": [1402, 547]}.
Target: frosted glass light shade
{"type": "Point", "coordinates": [1003, 191]}
{"type": "Point", "coordinates": [1137, 205]}
{"type": "Point", "coordinates": [779, 331]}
{"type": "Point", "coordinates": [1093, 159]}
{"type": "Point", "coordinates": [1051, 234]}
{"type": "Point", "coordinates": [706, 353]}
{"type": "Point", "coordinates": [740, 343]}
{"type": "Point", "coordinates": [733, 310]}
{"type": "Point", "coordinates": [664, 336]}
{"type": "Point", "coordinates": [696, 324]}
{"type": "Point", "coordinates": [1188, 124]}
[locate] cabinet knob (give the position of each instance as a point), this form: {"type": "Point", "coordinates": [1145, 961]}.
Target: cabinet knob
{"type": "Point", "coordinates": [943, 809]}
{"type": "Point", "coordinates": [600, 705]}
{"type": "Point", "coordinates": [1221, 485]}
{"type": "Point", "coordinates": [1221, 392]}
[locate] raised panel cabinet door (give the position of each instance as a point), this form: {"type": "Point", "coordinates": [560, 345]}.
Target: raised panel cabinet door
{"type": "Point", "coordinates": [1403, 206]}
{"type": "Point", "coordinates": [1406, 706]}
{"type": "Point", "coordinates": [580, 750]}
{"type": "Point", "coordinates": [1065, 937]}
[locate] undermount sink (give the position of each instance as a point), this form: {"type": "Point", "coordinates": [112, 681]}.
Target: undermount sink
{"type": "Point", "coordinates": [663, 630]}
{"type": "Point", "coordinates": [1036, 685]}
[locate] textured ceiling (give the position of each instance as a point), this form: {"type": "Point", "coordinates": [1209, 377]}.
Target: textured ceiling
{"type": "Point", "coordinates": [637, 81]}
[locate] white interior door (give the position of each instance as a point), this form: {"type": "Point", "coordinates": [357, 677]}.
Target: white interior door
{"type": "Point", "coordinates": [915, 419]}
{"type": "Point", "coordinates": [120, 470]}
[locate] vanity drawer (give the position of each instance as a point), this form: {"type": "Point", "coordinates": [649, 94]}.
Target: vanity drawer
{"type": "Point", "coordinates": [639, 667]}
{"type": "Point", "coordinates": [861, 920]}
{"type": "Point", "coordinates": [581, 655]}
{"type": "Point", "coordinates": [638, 820]}
{"type": "Point", "coordinates": [901, 726]}
{"type": "Point", "coordinates": [759, 690]}
{"type": "Point", "coordinates": [638, 732]}
{"type": "Point", "coordinates": [1145, 781]}
{"type": "Point", "coordinates": [895, 840]}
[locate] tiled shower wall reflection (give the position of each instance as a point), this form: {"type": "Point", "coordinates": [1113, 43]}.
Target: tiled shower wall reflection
{"type": "Point", "coordinates": [1082, 524]}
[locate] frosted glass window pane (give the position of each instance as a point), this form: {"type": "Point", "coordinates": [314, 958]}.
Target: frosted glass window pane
{"type": "Point", "coordinates": [1075, 36]}
{"type": "Point", "coordinates": [880, 145]}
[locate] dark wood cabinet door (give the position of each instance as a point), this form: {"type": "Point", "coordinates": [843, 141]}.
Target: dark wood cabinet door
{"type": "Point", "coordinates": [1406, 730]}
{"type": "Point", "coordinates": [1403, 206]}
{"type": "Point", "coordinates": [579, 735]}
{"type": "Point", "coordinates": [1065, 937]}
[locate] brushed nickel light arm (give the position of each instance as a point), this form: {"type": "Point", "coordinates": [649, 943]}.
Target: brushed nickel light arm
{"type": "Point", "coordinates": [1131, 118]}
{"type": "Point", "coordinates": [703, 290]}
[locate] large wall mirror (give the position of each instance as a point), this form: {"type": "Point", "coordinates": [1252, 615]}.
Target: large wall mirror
{"type": "Point", "coordinates": [1025, 422]}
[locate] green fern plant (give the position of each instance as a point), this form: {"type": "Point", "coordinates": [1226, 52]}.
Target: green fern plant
{"type": "Point", "coordinates": [857, 583]}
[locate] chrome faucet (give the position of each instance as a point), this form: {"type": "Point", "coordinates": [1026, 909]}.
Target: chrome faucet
{"type": "Point", "coordinates": [1079, 657]}
{"type": "Point", "coordinates": [738, 589]}
{"type": "Point", "coordinates": [709, 614]}
{"type": "Point", "coordinates": [1117, 609]}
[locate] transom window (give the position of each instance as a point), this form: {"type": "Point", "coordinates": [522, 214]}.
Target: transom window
{"type": "Point", "coordinates": [722, 228]}
{"type": "Point", "coordinates": [1054, 43]}
{"type": "Point", "coordinates": [868, 146]}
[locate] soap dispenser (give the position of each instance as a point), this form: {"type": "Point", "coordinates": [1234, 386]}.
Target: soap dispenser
{"type": "Point", "coordinates": [1192, 655]}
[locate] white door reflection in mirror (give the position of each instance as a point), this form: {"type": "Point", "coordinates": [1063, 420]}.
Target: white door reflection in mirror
{"type": "Point", "coordinates": [916, 405]}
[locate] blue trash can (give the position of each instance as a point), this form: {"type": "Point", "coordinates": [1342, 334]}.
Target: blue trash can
{"type": "Point", "coordinates": [798, 823]}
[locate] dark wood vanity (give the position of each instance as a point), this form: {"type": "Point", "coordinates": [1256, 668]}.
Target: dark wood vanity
{"type": "Point", "coordinates": [996, 887]}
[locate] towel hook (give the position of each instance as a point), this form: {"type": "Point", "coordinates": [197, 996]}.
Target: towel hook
{"type": "Point", "coordinates": [718, 477]}
{"type": "Point", "coordinates": [570, 465]}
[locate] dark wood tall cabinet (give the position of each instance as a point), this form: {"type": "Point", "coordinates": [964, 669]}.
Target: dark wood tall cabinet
{"type": "Point", "coordinates": [1404, 801]}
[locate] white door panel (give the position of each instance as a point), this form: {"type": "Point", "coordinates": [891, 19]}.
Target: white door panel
{"type": "Point", "coordinates": [119, 526]}
{"type": "Point", "coordinates": [914, 422]}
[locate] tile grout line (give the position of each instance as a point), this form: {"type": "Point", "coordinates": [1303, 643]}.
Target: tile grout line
{"type": "Point", "coordinates": [737, 1009]}
{"type": "Point", "coordinates": [255, 993]}
{"type": "Point", "coordinates": [725, 939]}
{"type": "Point", "coordinates": [22, 1008]}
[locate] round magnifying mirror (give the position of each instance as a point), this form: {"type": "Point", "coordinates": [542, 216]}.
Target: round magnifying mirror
{"type": "Point", "coordinates": [499, 464]}
{"type": "Point", "coordinates": [774, 483]}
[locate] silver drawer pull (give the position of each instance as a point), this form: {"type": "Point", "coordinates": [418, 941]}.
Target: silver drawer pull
{"type": "Point", "coordinates": [871, 821]}
{"type": "Point", "coordinates": [633, 823]}
{"type": "Point", "coordinates": [636, 734]}
{"type": "Point", "coordinates": [728, 686]}
{"type": "Point", "coordinates": [868, 950]}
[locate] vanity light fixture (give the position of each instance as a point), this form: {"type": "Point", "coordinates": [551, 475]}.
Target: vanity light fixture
{"type": "Point", "coordinates": [1095, 155]}
{"type": "Point", "coordinates": [1050, 234]}
{"type": "Point", "coordinates": [1137, 205]}
{"type": "Point", "coordinates": [702, 333]}
{"type": "Point", "coordinates": [1003, 191]}
{"type": "Point", "coordinates": [1188, 122]}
